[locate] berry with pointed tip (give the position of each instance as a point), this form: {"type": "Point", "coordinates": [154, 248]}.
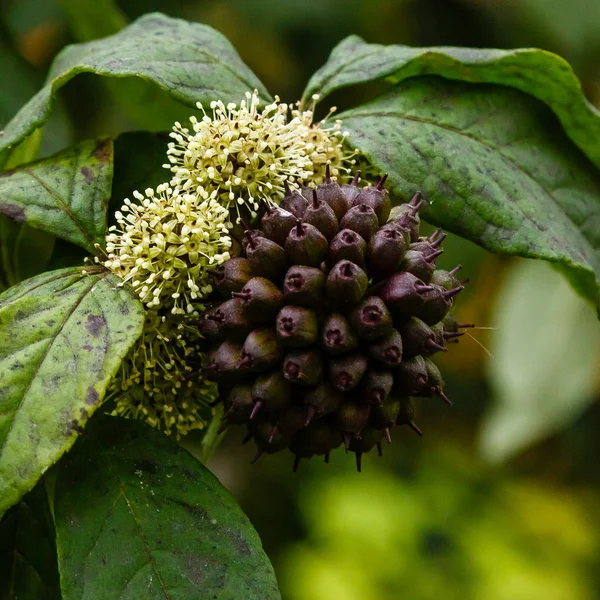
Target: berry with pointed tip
{"type": "Point", "coordinates": [320, 437]}
{"type": "Point", "coordinates": [408, 216]}
{"type": "Point", "coordinates": [322, 400]}
{"type": "Point", "coordinates": [304, 286]}
{"type": "Point", "coordinates": [294, 202]}
{"type": "Point", "coordinates": [321, 215]}
{"type": "Point", "coordinates": [351, 190]}
{"type": "Point", "coordinates": [362, 219]}
{"type": "Point", "coordinates": [346, 371]}
{"type": "Point", "coordinates": [288, 421]}
{"type": "Point", "coordinates": [229, 321]}
{"type": "Point", "coordinates": [451, 328]}
{"type": "Point", "coordinates": [261, 431]}
{"type": "Point", "coordinates": [260, 350]}
{"type": "Point", "coordinates": [419, 338]}
{"type": "Point", "coordinates": [447, 279]}
{"type": "Point", "coordinates": [303, 367]}
{"type": "Point", "coordinates": [332, 194]}
{"type": "Point", "coordinates": [435, 381]}
{"type": "Point", "coordinates": [431, 244]}
{"type": "Point", "coordinates": [306, 245]}
{"type": "Point", "coordinates": [421, 265]}
{"type": "Point", "coordinates": [238, 405]}
{"type": "Point", "coordinates": [224, 361]}
{"type": "Point", "coordinates": [346, 284]}
{"type": "Point", "coordinates": [387, 249]}
{"type": "Point", "coordinates": [436, 303]}
{"type": "Point", "coordinates": [403, 293]}
{"type": "Point", "coordinates": [261, 299]}
{"type": "Point", "coordinates": [232, 276]}
{"type": "Point", "coordinates": [384, 416]}
{"type": "Point", "coordinates": [347, 245]}
{"type": "Point", "coordinates": [267, 258]}
{"type": "Point", "coordinates": [387, 349]}
{"type": "Point", "coordinates": [377, 198]}
{"type": "Point", "coordinates": [411, 377]}
{"type": "Point", "coordinates": [338, 336]}
{"type": "Point", "coordinates": [296, 327]}
{"type": "Point", "coordinates": [369, 438]}
{"type": "Point", "coordinates": [352, 417]}
{"type": "Point", "coordinates": [406, 415]}
{"type": "Point", "coordinates": [277, 223]}
{"type": "Point", "coordinates": [371, 319]}
{"type": "Point", "coordinates": [377, 385]}
{"type": "Point", "coordinates": [270, 392]}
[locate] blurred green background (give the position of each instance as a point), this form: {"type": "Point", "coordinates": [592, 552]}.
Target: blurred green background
{"type": "Point", "coordinates": [499, 499]}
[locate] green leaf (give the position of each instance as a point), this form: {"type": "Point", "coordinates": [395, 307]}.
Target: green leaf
{"type": "Point", "coordinates": [138, 517]}
{"type": "Point", "coordinates": [493, 164]}
{"type": "Point", "coordinates": [65, 195]}
{"type": "Point", "coordinates": [546, 347]}
{"type": "Point", "coordinates": [189, 61]}
{"type": "Point", "coordinates": [28, 563]}
{"type": "Point", "coordinates": [541, 74]}
{"type": "Point", "coordinates": [64, 335]}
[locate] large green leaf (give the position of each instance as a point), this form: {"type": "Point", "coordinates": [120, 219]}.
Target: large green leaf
{"type": "Point", "coordinates": [494, 166]}
{"type": "Point", "coordinates": [546, 347]}
{"type": "Point", "coordinates": [65, 195]}
{"type": "Point", "coordinates": [189, 61]}
{"type": "Point", "coordinates": [28, 563]}
{"type": "Point", "coordinates": [538, 73]}
{"type": "Point", "coordinates": [64, 335]}
{"type": "Point", "coordinates": [138, 517]}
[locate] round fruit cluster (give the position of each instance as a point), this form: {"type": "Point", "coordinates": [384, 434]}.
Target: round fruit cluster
{"type": "Point", "coordinates": [329, 321]}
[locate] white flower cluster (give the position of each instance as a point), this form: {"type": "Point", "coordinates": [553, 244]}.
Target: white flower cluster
{"type": "Point", "coordinates": [245, 156]}
{"type": "Point", "coordinates": [153, 384]}
{"type": "Point", "coordinates": [166, 243]}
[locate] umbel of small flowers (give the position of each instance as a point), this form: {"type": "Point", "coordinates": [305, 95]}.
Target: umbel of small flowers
{"type": "Point", "coordinates": [153, 384]}
{"type": "Point", "coordinates": [246, 156]}
{"type": "Point", "coordinates": [166, 243]}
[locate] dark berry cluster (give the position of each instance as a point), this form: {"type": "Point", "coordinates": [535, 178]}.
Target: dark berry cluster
{"type": "Point", "coordinates": [331, 316]}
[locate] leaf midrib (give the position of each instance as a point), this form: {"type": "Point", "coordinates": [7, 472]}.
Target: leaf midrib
{"type": "Point", "coordinates": [59, 201]}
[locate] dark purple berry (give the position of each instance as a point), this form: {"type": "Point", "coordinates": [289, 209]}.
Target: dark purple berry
{"type": "Point", "coordinates": [260, 298]}
{"type": "Point", "coordinates": [362, 219]}
{"type": "Point", "coordinates": [338, 336]}
{"type": "Point", "coordinates": [304, 286]}
{"type": "Point", "coordinates": [347, 245]}
{"type": "Point", "coordinates": [306, 245]}
{"type": "Point", "coordinates": [296, 327]}
{"type": "Point", "coordinates": [346, 371]}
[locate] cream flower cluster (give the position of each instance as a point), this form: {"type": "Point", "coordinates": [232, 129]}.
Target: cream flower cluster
{"type": "Point", "coordinates": [165, 244]}
{"type": "Point", "coordinates": [245, 156]}
{"type": "Point", "coordinates": [154, 382]}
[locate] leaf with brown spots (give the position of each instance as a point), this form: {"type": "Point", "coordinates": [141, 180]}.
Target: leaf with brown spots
{"type": "Point", "coordinates": [65, 195]}
{"type": "Point", "coordinates": [139, 517]}
{"type": "Point", "coordinates": [494, 166]}
{"type": "Point", "coordinates": [63, 338]}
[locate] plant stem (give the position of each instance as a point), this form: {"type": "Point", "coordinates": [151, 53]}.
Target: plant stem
{"type": "Point", "coordinates": [212, 438]}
